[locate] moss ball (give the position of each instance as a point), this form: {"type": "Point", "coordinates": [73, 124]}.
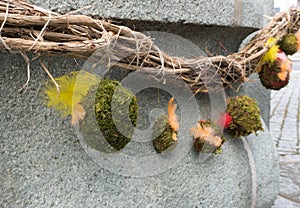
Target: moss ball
{"type": "Point", "coordinates": [199, 143]}
{"type": "Point", "coordinates": [103, 112]}
{"type": "Point", "coordinates": [289, 44]}
{"type": "Point", "coordinates": [269, 77]}
{"type": "Point", "coordinates": [165, 139]}
{"type": "Point", "coordinates": [245, 116]}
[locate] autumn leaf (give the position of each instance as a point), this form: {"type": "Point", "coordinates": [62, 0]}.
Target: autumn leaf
{"type": "Point", "coordinates": [271, 55]}
{"type": "Point", "coordinates": [172, 117]}
{"type": "Point", "coordinates": [73, 87]}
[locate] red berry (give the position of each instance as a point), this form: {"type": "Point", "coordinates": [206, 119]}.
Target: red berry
{"type": "Point", "coordinates": [225, 120]}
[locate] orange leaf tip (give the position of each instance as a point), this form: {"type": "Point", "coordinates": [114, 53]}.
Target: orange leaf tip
{"type": "Point", "coordinates": [206, 134]}
{"type": "Point", "coordinates": [285, 67]}
{"type": "Point", "coordinates": [172, 117]}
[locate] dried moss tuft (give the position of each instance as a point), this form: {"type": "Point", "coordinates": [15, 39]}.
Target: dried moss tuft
{"type": "Point", "coordinates": [289, 44]}
{"type": "Point", "coordinates": [245, 116]}
{"type": "Point", "coordinates": [164, 141]}
{"type": "Point", "coordinates": [103, 99]}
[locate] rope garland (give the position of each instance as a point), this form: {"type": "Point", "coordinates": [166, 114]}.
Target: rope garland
{"type": "Point", "coordinates": [28, 28]}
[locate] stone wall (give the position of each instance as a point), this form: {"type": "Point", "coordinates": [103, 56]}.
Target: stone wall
{"type": "Point", "coordinates": [243, 13]}
{"type": "Point", "coordinates": [43, 163]}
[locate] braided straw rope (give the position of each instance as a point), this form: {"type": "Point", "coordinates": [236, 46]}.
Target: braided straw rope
{"type": "Point", "coordinates": [26, 27]}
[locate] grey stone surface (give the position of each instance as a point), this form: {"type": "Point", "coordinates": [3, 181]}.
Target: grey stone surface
{"type": "Point", "coordinates": [43, 164]}
{"type": "Point", "coordinates": [289, 195]}
{"type": "Point", "coordinates": [223, 13]}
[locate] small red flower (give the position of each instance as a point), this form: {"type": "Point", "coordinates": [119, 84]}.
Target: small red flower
{"type": "Point", "coordinates": [225, 120]}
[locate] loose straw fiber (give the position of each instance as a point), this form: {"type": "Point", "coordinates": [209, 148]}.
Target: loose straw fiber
{"type": "Point", "coordinates": [28, 28]}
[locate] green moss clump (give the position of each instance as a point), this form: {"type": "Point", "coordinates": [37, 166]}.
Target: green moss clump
{"type": "Point", "coordinates": [164, 141]}
{"type": "Point", "coordinates": [199, 143]}
{"type": "Point", "coordinates": [289, 44]}
{"type": "Point", "coordinates": [103, 99]}
{"type": "Point", "coordinates": [245, 116]}
{"type": "Point", "coordinates": [269, 77]}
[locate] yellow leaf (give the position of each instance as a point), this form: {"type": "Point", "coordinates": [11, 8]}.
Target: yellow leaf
{"type": "Point", "coordinates": [271, 55]}
{"type": "Point", "coordinates": [73, 87]}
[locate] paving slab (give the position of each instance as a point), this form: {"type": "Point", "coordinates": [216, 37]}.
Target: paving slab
{"type": "Point", "coordinates": [285, 130]}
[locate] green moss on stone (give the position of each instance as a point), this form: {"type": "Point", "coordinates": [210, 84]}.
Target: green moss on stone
{"type": "Point", "coordinates": [289, 44]}
{"type": "Point", "coordinates": [245, 116]}
{"type": "Point", "coordinates": [164, 141]}
{"type": "Point", "coordinates": [103, 99]}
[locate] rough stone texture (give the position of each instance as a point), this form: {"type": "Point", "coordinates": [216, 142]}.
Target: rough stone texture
{"type": "Point", "coordinates": [289, 195]}
{"type": "Point", "coordinates": [43, 164]}
{"type": "Point", "coordinates": [223, 13]}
